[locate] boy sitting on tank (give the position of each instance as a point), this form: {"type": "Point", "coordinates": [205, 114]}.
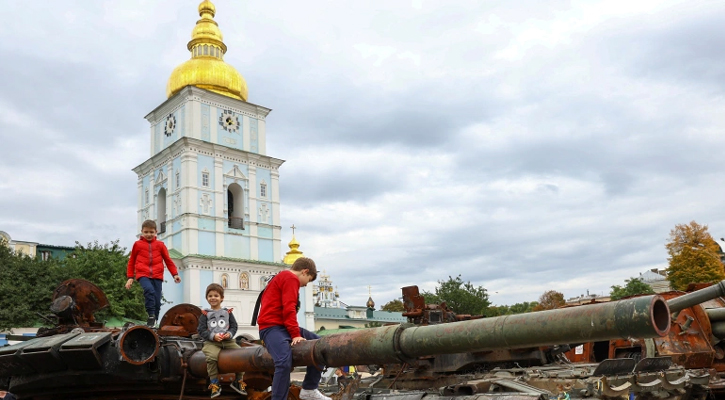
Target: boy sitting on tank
{"type": "Point", "coordinates": [217, 326]}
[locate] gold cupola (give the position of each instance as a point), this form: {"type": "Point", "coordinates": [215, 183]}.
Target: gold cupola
{"type": "Point", "coordinates": [207, 69]}
{"type": "Point", "coordinates": [294, 253]}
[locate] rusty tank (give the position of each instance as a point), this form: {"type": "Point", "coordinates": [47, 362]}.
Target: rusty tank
{"type": "Point", "coordinates": [79, 358]}
{"type": "Point", "coordinates": [686, 363]}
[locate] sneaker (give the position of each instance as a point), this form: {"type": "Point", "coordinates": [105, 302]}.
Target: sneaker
{"type": "Point", "coordinates": [151, 321]}
{"type": "Point", "coordinates": [239, 386]}
{"type": "Point", "coordinates": [216, 390]}
{"type": "Point", "coordinates": [312, 395]}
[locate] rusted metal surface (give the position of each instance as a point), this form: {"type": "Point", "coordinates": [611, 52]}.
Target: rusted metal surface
{"type": "Point", "coordinates": [73, 304]}
{"type": "Point", "coordinates": [702, 295]}
{"type": "Point", "coordinates": [138, 345]}
{"type": "Point", "coordinates": [180, 320]}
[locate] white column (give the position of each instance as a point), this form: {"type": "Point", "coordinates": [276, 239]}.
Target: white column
{"type": "Point", "coordinates": [193, 126]}
{"type": "Point", "coordinates": [262, 137]}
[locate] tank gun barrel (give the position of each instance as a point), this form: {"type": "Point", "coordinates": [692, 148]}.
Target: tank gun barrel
{"type": "Point", "coordinates": [644, 317]}
{"type": "Point", "coordinates": [688, 300]}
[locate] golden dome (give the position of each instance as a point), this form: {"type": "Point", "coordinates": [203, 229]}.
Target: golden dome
{"type": "Point", "coordinates": [207, 69]}
{"type": "Point", "coordinates": [294, 253]}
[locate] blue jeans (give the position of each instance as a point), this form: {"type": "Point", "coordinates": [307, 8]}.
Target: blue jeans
{"type": "Point", "coordinates": [151, 295]}
{"type": "Point", "coordinates": [278, 343]}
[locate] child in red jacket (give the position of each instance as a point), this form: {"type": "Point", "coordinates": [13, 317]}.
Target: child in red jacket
{"type": "Point", "coordinates": [146, 264]}
{"type": "Point", "coordinates": [279, 330]}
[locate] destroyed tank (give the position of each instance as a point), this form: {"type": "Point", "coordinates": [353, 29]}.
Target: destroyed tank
{"type": "Point", "coordinates": [686, 363]}
{"type": "Point", "coordinates": [79, 358]}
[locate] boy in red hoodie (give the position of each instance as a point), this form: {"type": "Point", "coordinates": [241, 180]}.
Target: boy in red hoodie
{"type": "Point", "coordinates": [146, 264]}
{"type": "Point", "coordinates": [279, 330]}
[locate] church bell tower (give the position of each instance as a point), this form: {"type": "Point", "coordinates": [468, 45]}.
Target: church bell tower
{"type": "Point", "coordinates": [209, 184]}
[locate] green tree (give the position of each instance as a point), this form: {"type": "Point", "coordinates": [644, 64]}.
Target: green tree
{"type": "Point", "coordinates": [525, 307]}
{"type": "Point", "coordinates": [633, 287]}
{"type": "Point", "coordinates": [550, 300]}
{"type": "Point", "coordinates": [693, 256]}
{"type": "Point", "coordinates": [393, 305]}
{"type": "Point", "coordinates": [461, 297]}
{"type": "Point", "coordinates": [105, 265]}
{"type": "Point", "coordinates": [27, 285]}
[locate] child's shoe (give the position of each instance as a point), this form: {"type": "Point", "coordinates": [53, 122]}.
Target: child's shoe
{"type": "Point", "coordinates": [215, 388]}
{"type": "Point", "coordinates": [151, 321]}
{"type": "Point", "coordinates": [312, 395]}
{"type": "Point", "coordinates": [239, 387]}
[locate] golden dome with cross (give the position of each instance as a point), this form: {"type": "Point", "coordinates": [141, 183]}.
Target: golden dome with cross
{"type": "Point", "coordinates": [206, 69]}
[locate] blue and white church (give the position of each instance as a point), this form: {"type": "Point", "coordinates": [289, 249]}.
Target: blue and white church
{"type": "Point", "coordinates": [209, 183]}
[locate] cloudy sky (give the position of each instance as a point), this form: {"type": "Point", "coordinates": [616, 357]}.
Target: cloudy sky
{"type": "Point", "coordinates": [525, 145]}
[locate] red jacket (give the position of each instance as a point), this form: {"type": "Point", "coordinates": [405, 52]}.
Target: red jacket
{"type": "Point", "coordinates": [147, 260]}
{"type": "Point", "coordinates": [279, 303]}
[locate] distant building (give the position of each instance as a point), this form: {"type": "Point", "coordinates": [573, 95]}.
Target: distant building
{"type": "Point", "coordinates": [588, 298]}
{"type": "Point", "coordinates": [331, 313]}
{"type": "Point", "coordinates": [34, 249]}
{"type": "Point", "coordinates": [656, 279]}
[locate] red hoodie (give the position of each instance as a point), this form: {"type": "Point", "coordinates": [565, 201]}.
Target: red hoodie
{"type": "Point", "coordinates": [279, 303]}
{"type": "Point", "coordinates": [147, 260]}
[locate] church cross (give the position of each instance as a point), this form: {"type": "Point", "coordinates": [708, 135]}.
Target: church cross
{"type": "Point", "coordinates": [293, 229]}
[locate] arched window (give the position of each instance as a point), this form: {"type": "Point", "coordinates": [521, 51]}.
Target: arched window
{"type": "Point", "coordinates": [225, 281]}
{"type": "Point", "coordinates": [235, 206]}
{"type": "Point", "coordinates": [161, 210]}
{"type": "Point", "coordinates": [244, 281]}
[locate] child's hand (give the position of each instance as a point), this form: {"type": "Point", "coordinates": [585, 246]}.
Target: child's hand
{"type": "Point", "coordinates": [129, 282]}
{"type": "Point", "coordinates": [177, 279]}
{"type": "Point", "coordinates": [218, 337]}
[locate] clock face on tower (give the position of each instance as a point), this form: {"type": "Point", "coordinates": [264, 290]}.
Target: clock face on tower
{"type": "Point", "coordinates": [170, 125]}
{"type": "Point", "coordinates": [229, 122]}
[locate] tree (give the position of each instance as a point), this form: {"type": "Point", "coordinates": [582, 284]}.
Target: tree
{"type": "Point", "coordinates": [27, 285]}
{"type": "Point", "coordinates": [461, 297]}
{"type": "Point", "coordinates": [393, 305]}
{"type": "Point", "coordinates": [633, 287]}
{"type": "Point", "coordinates": [105, 265]}
{"type": "Point", "coordinates": [693, 256]}
{"type": "Point", "coordinates": [550, 300]}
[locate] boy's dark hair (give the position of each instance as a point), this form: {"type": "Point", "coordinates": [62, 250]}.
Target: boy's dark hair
{"type": "Point", "coordinates": [216, 288]}
{"type": "Point", "coordinates": [305, 263]}
{"type": "Point", "coordinates": [149, 223]}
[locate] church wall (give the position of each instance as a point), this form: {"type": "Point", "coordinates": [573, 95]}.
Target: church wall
{"type": "Point", "coordinates": [176, 241]}
{"type": "Point", "coordinates": [207, 243]}
{"type": "Point", "coordinates": [157, 138]}
{"type": "Point", "coordinates": [236, 246]}
{"type": "Point", "coordinates": [228, 165]}
{"type": "Point", "coordinates": [205, 195]}
{"type": "Point", "coordinates": [206, 277]}
{"type": "Point", "coordinates": [264, 175]}
{"type": "Point", "coordinates": [205, 122]}
{"type": "Point", "coordinates": [262, 132]}
{"type": "Point", "coordinates": [253, 135]}
{"type": "Point", "coordinates": [174, 293]}
{"type": "Point", "coordinates": [266, 249]}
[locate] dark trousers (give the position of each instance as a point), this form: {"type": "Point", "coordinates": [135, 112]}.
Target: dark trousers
{"type": "Point", "coordinates": [151, 295]}
{"type": "Point", "coordinates": [278, 343]}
